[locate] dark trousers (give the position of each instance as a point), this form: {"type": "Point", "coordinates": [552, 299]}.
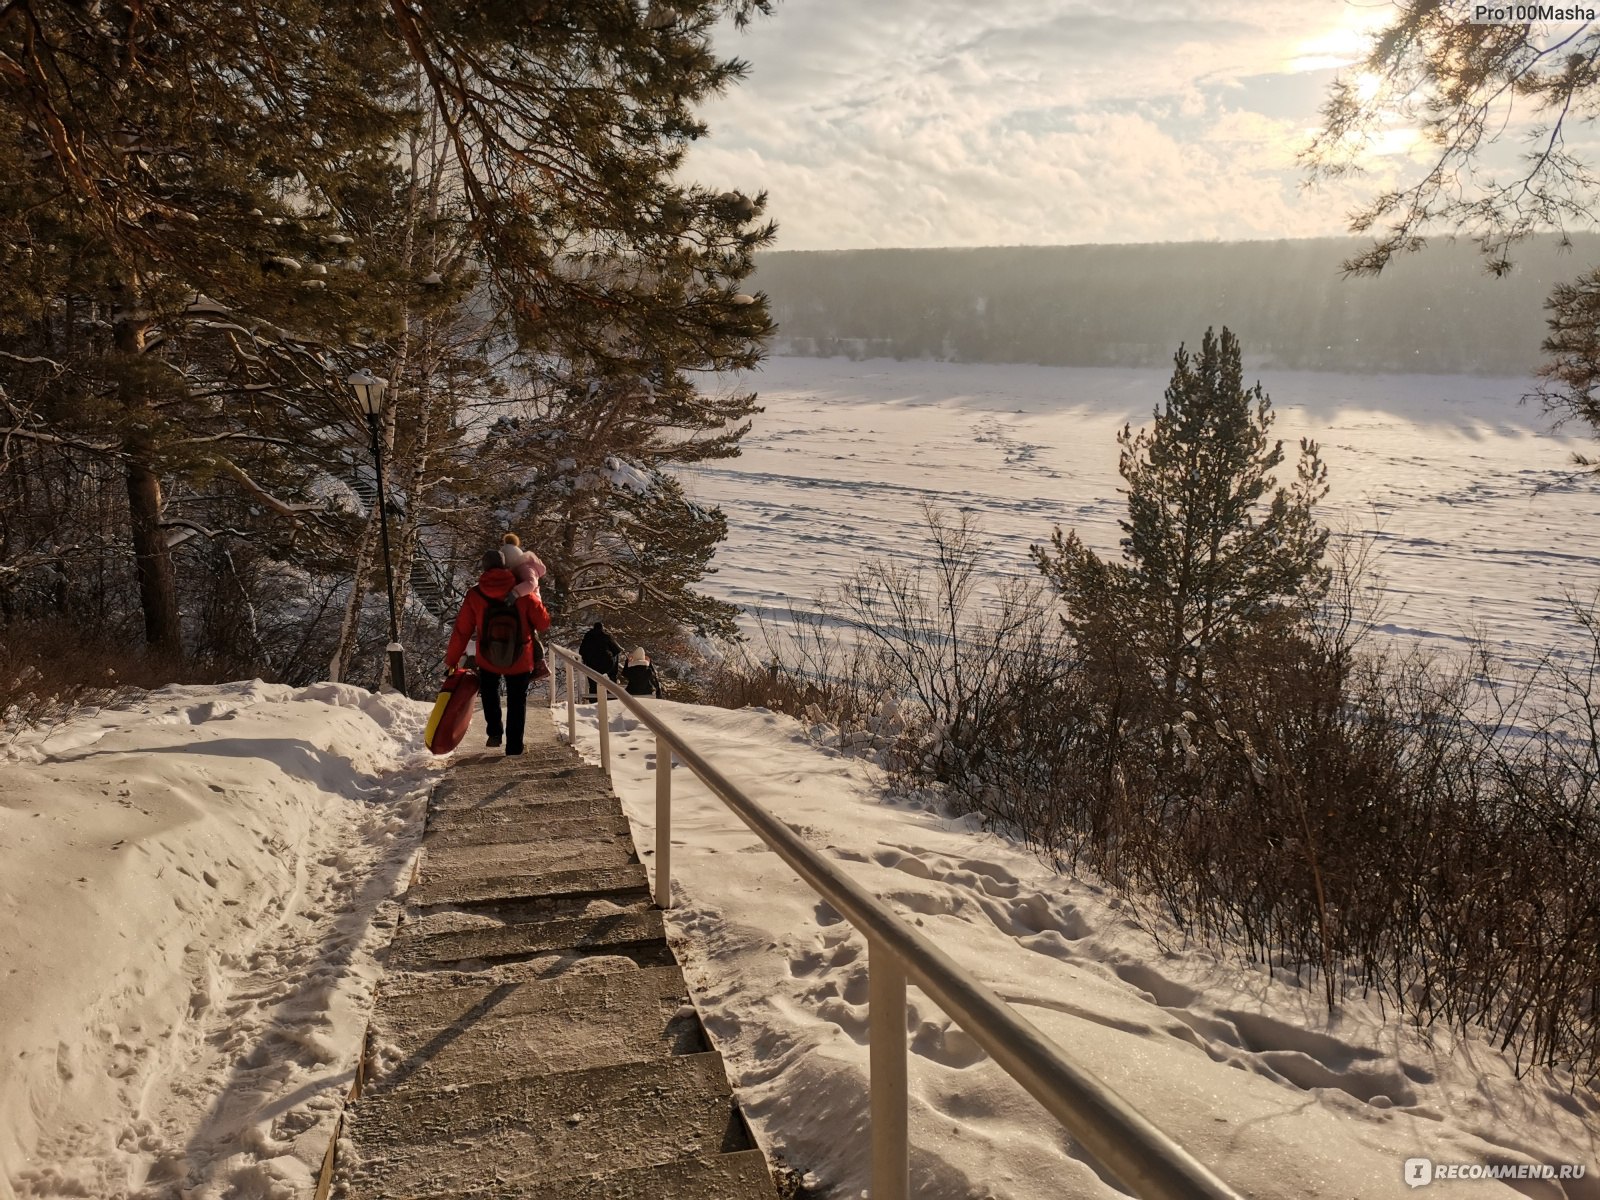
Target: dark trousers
{"type": "Point", "coordinates": [607, 669]}
{"type": "Point", "coordinates": [516, 706]}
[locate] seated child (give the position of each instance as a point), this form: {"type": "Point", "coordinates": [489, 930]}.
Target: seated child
{"type": "Point", "coordinates": [527, 569]}
{"type": "Point", "coordinates": [639, 675]}
{"type": "Point", "coordinates": [524, 564]}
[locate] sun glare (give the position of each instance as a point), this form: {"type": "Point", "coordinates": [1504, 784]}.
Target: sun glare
{"type": "Point", "coordinates": [1343, 45]}
{"type": "Point", "coordinates": [1337, 48]}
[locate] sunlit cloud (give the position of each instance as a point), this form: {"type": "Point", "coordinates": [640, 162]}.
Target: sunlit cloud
{"type": "Point", "coordinates": [1338, 47]}
{"type": "Point", "coordinates": [1034, 121]}
{"type": "Point", "coordinates": [1393, 141]}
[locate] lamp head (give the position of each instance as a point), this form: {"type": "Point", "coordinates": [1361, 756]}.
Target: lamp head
{"type": "Point", "coordinates": [369, 391]}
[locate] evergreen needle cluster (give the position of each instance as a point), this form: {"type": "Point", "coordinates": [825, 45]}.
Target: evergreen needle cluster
{"type": "Point", "coordinates": [214, 214]}
{"type": "Point", "coordinates": [1213, 546]}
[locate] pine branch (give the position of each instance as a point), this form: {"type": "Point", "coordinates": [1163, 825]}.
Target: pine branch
{"type": "Point", "coordinates": [51, 439]}
{"type": "Point", "coordinates": [33, 360]}
{"type": "Point", "coordinates": [281, 507]}
{"type": "Point", "coordinates": [192, 528]}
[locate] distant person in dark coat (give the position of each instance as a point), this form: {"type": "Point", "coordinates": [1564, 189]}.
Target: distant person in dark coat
{"type": "Point", "coordinates": [503, 636]}
{"type": "Point", "coordinates": [599, 651]}
{"type": "Point", "coordinates": [639, 676]}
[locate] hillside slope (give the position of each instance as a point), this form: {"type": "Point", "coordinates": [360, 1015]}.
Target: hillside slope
{"type": "Point", "coordinates": [1130, 305]}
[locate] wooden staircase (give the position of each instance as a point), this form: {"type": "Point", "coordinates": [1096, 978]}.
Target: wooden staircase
{"type": "Point", "coordinates": [533, 1035]}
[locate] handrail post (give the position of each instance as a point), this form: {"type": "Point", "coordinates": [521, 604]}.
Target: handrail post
{"type": "Point", "coordinates": [663, 823]}
{"type": "Point", "coordinates": [886, 1032]}
{"type": "Point", "coordinates": [605, 729]}
{"type": "Point", "coordinates": [572, 704]}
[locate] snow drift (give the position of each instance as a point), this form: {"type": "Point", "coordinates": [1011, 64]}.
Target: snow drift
{"type": "Point", "coordinates": [192, 889]}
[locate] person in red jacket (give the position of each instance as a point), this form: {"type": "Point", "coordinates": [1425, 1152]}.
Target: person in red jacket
{"type": "Point", "coordinates": [504, 625]}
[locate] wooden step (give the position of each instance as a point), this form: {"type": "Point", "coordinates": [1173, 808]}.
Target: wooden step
{"type": "Point", "coordinates": [742, 1175]}
{"type": "Point", "coordinates": [517, 1136]}
{"type": "Point", "coordinates": [452, 1034]}
{"type": "Point", "coordinates": [626, 879]}
{"type": "Point", "coordinates": [523, 822]}
{"type": "Point", "coordinates": [443, 866]}
{"type": "Point", "coordinates": [417, 952]}
{"type": "Point", "coordinates": [542, 773]}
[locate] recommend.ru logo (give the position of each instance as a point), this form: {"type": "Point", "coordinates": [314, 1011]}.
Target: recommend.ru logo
{"type": "Point", "coordinates": [1420, 1172]}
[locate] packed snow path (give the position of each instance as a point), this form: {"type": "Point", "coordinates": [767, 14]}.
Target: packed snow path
{"type": "Point", "coordinates": [534, 1034]}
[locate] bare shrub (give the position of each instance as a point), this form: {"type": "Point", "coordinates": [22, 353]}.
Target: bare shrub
{"type": "Point", "coordinates": [45, 675]}
{"type": "Point", "coordinates": [804, 668]}
{"type": "Point", "coordinates": [1372, 819]}
{"type": "Point", "coordinates": [959, 646]}
{"type": "Point", "coordinates": [1359, 817]}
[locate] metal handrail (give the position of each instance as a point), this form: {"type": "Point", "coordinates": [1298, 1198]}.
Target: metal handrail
{"type": "Point", "coordinates": [1130, 1147]}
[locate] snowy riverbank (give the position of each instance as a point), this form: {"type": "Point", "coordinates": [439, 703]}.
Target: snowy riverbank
{"type": "Point", "coordinates": [192, 891]}
{"type": "Point", "coordinates": [1242, 1066]}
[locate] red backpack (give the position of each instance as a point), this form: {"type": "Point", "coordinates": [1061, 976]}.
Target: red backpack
{"type": "Point", "coordinates": [501, 636]}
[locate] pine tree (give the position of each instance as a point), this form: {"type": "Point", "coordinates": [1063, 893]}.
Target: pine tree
{"type": "Point", "coordinates": [1212, 546]}
{"type": "Point", "coordinates": [567, 122]}
{"type": "Point", "coordinates": [210, 230]}
{"type": "Point", "coordinates": [612, 281]}
{"type": "Point", "coordinates": [622, 540]}
{"type": "Point", "coordinates": [175, 225]}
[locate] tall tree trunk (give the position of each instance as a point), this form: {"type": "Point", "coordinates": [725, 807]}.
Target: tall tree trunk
{"type": "Point", "coordinates": [350, 628]}
{"type": "Point", "coordinates": [158, 585]}
{"type": "Point", "coordinates": [405, 477]}
{"type": "Point", "coordinates": [409, 484]}
{"type": "Point", "coordinates": [412, 479]}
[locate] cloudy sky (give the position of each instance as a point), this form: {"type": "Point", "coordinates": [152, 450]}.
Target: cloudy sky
{"type": "Point", "coordinates": [950, 123]}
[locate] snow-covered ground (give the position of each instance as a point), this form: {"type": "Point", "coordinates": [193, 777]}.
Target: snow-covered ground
{"type": "Point", "coordinates": [1441, 469]}
{"type": "Point", "coordinates": [1243, 1067]}
{"type": "Point", "coordinates": [193, 888]}
{"type": "Point", "coordinates": [192, 891]}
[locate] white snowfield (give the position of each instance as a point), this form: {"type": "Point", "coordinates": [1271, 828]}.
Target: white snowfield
{"type": "Point", "coordinates": [192, 891]}
{"type": "Point", "coordinates": [1444, 471]}
{"type": "Point", "coordinates": [194, 888]}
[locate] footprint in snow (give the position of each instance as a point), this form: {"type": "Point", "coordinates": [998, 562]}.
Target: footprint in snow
{"type": "Point", "coordinates": [806, 962]}
{"type": "Point", "coordinates": [1162, 990]}
{"type": "Point", "coordinates": [1382, 1085]}
{"type": "Point", "coordinates": [928, 904]}
{"type": "Point", "coordinates": [897, 859]}
{"type": "Point", "coordinates": [946, 1043]}
{"type": "Point", "coordinates": [211, 710]}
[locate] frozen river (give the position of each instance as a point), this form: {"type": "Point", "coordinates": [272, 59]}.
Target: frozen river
{"type": "Point", "coordinates": [1464, 488]}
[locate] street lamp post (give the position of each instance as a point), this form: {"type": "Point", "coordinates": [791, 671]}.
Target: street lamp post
{"type": "Point", "coordinates": [369, 391]}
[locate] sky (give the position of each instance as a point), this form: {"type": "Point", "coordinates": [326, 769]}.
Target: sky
{"type": "Point", "coordinates": [943, 123]}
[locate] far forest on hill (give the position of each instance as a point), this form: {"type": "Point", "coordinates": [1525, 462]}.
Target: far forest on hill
{"type": "Point", "coordinates": [1436, 311]}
